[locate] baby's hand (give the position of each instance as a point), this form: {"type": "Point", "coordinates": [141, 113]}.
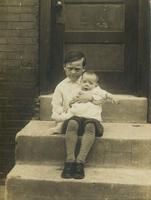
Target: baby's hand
{"type": "Point", "coordinates": [115, 101]}
{"type": "Point", "coordinates": [74, 100]}
{"type": "Point", "coordinates": [112, 99]}
{"type": "Point", "coordinates": [84, 97]}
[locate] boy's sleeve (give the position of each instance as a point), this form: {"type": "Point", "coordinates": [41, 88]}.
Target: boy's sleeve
{"type": "Point", "coordinates": [57, 104]}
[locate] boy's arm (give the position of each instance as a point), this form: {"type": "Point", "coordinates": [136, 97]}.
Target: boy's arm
{"type": "Point", "coordinates": [90, 96]}
{"type": "Point", "coordinates": [82, 97]}
{"type": "Point", "coordinates": [59, 113]}
{"type": "Point", "coordinates": [57, 105]}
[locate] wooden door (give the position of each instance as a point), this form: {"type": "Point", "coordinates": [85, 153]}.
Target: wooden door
{"type": "Point", "coordinates": [106, 31]}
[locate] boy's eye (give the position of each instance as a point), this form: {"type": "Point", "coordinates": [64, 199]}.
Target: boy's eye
{"type": "Point", "coordinates": [90, 83]}
{"type": "Point", "coordinates": [72, 68]}
{"type": "Point", "coordinates": [77, 69]}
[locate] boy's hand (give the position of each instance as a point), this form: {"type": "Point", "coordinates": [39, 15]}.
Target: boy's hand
{"type": "Point", "coordinates": [84, 97]}
{"type": "Point", "coordinates": [73, 101]}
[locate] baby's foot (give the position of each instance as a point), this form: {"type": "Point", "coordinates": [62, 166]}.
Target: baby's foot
{"type": "Point", "coordinates": [55, 129]}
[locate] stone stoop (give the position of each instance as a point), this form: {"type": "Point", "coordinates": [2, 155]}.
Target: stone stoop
{"type": "Point", "coordinates": [121, 145]}
{"type": "Point", "coordinates": [42, 182]}
{"type": "Point", "coordinates": [118, 167]}
{"type": "Point", "coordinates": [130, 109]}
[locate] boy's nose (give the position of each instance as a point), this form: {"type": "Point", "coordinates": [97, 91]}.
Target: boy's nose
{"type": "Point", "coordinates": [73, 70]}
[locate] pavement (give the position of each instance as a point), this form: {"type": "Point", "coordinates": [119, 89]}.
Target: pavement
{"type": "Point", "coordinates": [2, 192]}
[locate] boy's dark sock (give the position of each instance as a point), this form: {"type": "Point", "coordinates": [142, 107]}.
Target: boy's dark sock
{"type": "Point", "coordinates": [87, 142]}
{"type": "Point", "coordinates": [71, 139]}
{"type": "Point", "coordinates": [79, 171]}
{"type": "Point", "coordinates": [68, 171]}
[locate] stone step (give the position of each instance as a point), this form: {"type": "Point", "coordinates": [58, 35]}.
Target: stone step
{"type": "Point", "coordinates": [39, 182]}
{"type": "Point", "coordinates": [130, 109]}
{"type": "Point", "coordinates": [122, 144]}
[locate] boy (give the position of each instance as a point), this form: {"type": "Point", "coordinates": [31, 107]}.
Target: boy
{"type": "Point", "coordinates": [63, 96]}
{"type": "Point", "coordinates": [89, 83]}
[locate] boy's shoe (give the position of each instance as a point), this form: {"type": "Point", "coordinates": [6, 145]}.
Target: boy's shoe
{"type": "Point", "coordinates": [79, 171]}
{"type": "Point", "coordinates": [68, 171]}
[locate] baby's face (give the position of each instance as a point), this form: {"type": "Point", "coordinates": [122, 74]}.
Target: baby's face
{"type": "Point", "coordinates": [88, 82]}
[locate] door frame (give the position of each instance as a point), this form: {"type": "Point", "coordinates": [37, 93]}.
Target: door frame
{"type": "Point", "coordinates": [47, 8]}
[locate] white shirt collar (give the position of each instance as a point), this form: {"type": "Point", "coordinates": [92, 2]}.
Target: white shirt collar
{"type": "Point", "coordinates": [77, 82]}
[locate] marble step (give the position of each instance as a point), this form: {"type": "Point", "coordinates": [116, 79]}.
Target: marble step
{"type": "Point", "coordinates": [129, 109]}
{"type": "Point", "coordinates": [43, 182]}
{"type": "Point", "coordinates": [122, 145]}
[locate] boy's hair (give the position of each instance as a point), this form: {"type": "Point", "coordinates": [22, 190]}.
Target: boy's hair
{"type": "Point", "coordinates": [72, 56]}
{"type": "Point", "coordinates": [90, 72]}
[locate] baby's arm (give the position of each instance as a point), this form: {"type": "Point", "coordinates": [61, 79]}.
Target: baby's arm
{"type": "Point", "coordinates": [111, 98]}
{"type": "Point", "coordinates": [100, 96]}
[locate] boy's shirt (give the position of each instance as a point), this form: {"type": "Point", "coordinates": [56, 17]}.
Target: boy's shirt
{"type": "Point", "coordinates": [67, 90]}
{"type": "Point", "coordinates": [63, 94]}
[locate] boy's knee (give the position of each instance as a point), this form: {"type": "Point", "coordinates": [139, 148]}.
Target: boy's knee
{"type": "Point", "coordinates": [90, 128]}
{"type": "Point", "coordinates": [72, 125]}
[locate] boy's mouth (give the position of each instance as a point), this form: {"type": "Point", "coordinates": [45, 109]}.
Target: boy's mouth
{"type": "Point", "coordinates": [85, 89]}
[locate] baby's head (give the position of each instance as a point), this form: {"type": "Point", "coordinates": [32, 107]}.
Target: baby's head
{"type": "Point", "coordinates": [89, 80]}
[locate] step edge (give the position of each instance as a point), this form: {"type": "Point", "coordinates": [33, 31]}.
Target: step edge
{"type": "Point", "coordinates": [127, 173]}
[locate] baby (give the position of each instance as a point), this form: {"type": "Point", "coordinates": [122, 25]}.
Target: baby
{"type": "Point", "coordinates": [92, 109]}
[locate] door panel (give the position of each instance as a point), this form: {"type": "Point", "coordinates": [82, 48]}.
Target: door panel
{"type": "Point", "coordinates": [101, 57]}
{"type": "Point", "coordinates": [106, 31]}
{"type": "Point", "coordinates": [94, 17]}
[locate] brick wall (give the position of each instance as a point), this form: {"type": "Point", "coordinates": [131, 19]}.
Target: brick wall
{"type": "Point", "coordinates": [19, 66]}
{"type": "Point", "coordinates": [149, 60]}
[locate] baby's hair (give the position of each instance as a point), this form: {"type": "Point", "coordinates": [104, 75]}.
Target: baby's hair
{"type": "Point", "coordinates": [72, 56]}
{"type": "Point", "coordinates": [90, 72]}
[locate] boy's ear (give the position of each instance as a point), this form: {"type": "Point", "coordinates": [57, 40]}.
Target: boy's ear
{"type": "Point", "coordinates": [96, 84]}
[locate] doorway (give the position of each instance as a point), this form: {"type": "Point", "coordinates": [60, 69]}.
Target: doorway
{"type": "Point", "coordinates": [112, 33]}
{"type": "Point", "coordinates": [106, 31]}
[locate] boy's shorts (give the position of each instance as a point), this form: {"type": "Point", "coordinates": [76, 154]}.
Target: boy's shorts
{"type": "Point", "coordinates": [82, 122]}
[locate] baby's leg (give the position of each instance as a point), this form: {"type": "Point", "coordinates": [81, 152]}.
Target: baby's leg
{"type": "Point", "coordinates": [56, 129]}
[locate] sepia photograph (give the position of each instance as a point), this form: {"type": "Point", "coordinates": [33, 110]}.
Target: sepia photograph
{"type": "Point", "coordinates": [75, 99]}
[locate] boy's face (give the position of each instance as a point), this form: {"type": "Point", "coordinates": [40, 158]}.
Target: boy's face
{"type": "Point", "coordinates": [88, 82]}
{"type": "Point", "coordinates": [74, 70]}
